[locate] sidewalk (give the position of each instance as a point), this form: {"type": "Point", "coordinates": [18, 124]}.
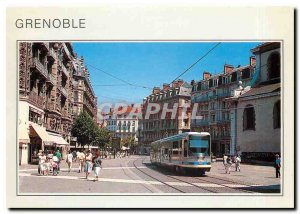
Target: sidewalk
{"type": "Point", "coordinates": [251, 174]}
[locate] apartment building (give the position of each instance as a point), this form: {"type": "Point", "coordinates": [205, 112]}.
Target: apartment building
{"type": "Point", "coordinates": [210, 94]}
{"type": "Point", "coordinates": [124, 122]}
{"type": "Point", "coordinates": [160, 125]}
{"type": "Point", "coordinates": [46, 97]}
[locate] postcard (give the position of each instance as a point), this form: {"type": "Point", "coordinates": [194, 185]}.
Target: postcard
{"type": "Point", "coordinates": [150, 107]}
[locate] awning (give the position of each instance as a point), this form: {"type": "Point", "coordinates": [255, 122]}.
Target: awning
{"type": "Point", "coordinates": [41, 131]}
{"type": "Point", "coordinates": [57, 139]}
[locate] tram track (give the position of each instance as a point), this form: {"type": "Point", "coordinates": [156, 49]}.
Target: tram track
{"type": "Point", "coordinates": [159, 180]}
{"type": "Point", "coordinates": [200, 179]}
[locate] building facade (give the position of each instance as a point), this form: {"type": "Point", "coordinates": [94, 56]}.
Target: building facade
{"type": "Point", "coordinates": [124, 123]}
{"type": "Point", "coordinates": [46, 97]}
{"type": "Point", "coordinates": [258, 109]}
{"type": "Point", "coordinates": [209, 100]}
{"type": "Point", "coordinates": [162, 124]}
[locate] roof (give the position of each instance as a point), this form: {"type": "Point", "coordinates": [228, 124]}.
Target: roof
{"type": "Point", "coordinates": [262, 89]}
{"type": "Point", "coordinates": [182, 135]}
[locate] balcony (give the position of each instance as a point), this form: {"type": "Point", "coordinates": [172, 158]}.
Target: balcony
{"type": "Point", "coordinates": [35, 100]}
{"type": "Point", "coordinates": [67, 52]}
{"type": "Point", "coordinates": [51, 79]}
{"type": "Point", "coordinates": [64, 92]}
{"type": "Point", "coordinates": [45, 45]}
{"type": "Point", "coordinates": [199, 123]}
{"type": "Point", "coordinates": [50, 106]}
{"type": "Point", "coordinates": [52, 53]}
{"type": "Point", "coordinates": [223, 121]}
{"type": "Point", "coordinates": [38, 66]}
{"type": "Point", "coordinates": [64, 69]}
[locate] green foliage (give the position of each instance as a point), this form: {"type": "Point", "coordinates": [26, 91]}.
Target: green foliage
{"type": "Point", "coordinates": [88, 132]}
{"type": "Point", "coordinates": [128, 142]}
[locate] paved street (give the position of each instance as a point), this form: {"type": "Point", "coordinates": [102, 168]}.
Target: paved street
{"type": "Point", "coordinates": [135, 174]}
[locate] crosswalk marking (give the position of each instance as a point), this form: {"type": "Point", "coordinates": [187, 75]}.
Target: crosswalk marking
{"type": "Point", "coordinates": [113, 180]}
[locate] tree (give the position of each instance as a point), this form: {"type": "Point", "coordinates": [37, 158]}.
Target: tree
{"type": "Point", "coordinates": [102, 137]}
{"type": "Point", "coordinates": [88, 132]}
{"type": "Point", "coordinates": [128, 142]}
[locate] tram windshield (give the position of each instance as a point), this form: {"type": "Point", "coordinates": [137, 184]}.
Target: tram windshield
{"type": "Point", "coordinates": [199, 145]}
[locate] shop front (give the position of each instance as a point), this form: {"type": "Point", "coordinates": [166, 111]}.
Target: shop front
{"type": "Point", "coordinates": [41, 140]}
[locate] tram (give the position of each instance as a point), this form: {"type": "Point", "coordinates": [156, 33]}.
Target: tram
{"type": "Point", "coordinates": [189, 151]}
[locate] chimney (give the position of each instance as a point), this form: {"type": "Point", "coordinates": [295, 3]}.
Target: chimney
{"type": "Point", "coordinates": [180, 82]}
{"type": "Point", "coordinates": [228, 69]}
{"type": "Point", "coordinates": [166, 86]}
{"type": "Point", "coordinates": [175, 84]}
{"type": "Point", "coordinates": [252, 60]}
{"type": "Point", "coordinates": [206, 75]}
{"type": "Point", "coordinates": [155, 90]}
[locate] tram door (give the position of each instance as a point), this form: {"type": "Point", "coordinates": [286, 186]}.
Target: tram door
{"type": "Point", "coordinates": [185, 148]}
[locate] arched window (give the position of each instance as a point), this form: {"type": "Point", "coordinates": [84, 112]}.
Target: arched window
{"type": "Point", "coordinates": [249, 118]}
{"type": "Point", "coordinates": [276, 115]}
{"type": "Point", "coordinates": [273, 65]}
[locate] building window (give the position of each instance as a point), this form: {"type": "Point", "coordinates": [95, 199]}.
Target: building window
{"type": "Point", "coordinates": [249, 118]}
{"type": "Point", "coordinates": [276, 115]}
{"type": "Point", "coordinates": [274, 65]}
{"type": "Point", "coordinates": [246, 73]}
{"type": "Point", "coordinates": [233, 77]}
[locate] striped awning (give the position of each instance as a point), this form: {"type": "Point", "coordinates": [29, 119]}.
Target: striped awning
{"type": "Point", "coordinates": [41, 132]}
{"type": "Point", "coordinates": [57, 139]}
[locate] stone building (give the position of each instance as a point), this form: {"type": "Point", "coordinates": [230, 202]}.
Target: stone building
{"type": "Point", "coordinates": [256, 111]}
{"type": "Point", "coordinates": [46, 97]}
{"type": "Point", "coordinates": [123, 123]}
{"type": "Point", "coordinates": [160, 123]}
{"type": "Point", "coordinates": [209, 100]}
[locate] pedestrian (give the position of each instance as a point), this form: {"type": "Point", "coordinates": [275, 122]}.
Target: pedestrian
{"type": "Point", "coordinates": [88, 163]}
{"type": "Point", "coordinates": [238, 163]}
{"type": "Point", "coordinates": [69, 160]}
{"type": "Point", "coordinates": [74, 154]}
{"type": "Point", "coordinates": [228, 164]}
{"type": "Point", "coordinates": [58, 155]}
{"type": "Point", "coordinates": [224, 160]}
{"type": "Point", "coordinates": [97, 166]}
{"type": "Point", "coordinates": [77, 155]}
{"type": "Point", "coordinates": [81, 157]}
{"type": "Point", "coordinates": [42, 160]}
{"type": "Point", "coordinates": [277, 165]}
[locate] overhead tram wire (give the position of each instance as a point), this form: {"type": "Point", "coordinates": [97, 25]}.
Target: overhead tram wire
{"type": "Point", "coordinates": [210, 50]}
{"type": "Point", "coordinates": [115, 77]}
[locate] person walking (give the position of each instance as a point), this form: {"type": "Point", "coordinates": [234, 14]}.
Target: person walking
{"type": "Point", "coordinates": [97, 166]}
{"type": "Point", "coordinates": [69, 160]}
{"type": "Point", "coordinates": [277, 165]}
{"type": "Point", "coordinates": [42, 160]}
{"type": "Point", "coordinates": [225, 161]}
{"type": "Point", "coordinates": [88, 164]}
{"type": "Point", "coordinates": [228, 164]}
{"type": "Point", "coordinates": [238, 163]}
{"type": "Point", "coordinates": [81, 157]}
{"type": "Point", "coordinates": [58, 155]}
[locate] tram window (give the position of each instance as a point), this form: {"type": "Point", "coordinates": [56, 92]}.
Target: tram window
{"type": "Point", "coordinates": [175, 144]}
{"type": "Point", "coordinates": [199, 145]}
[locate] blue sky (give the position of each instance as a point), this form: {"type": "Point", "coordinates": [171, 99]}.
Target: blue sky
{"type": "Point", "coordinates": [154, 63]}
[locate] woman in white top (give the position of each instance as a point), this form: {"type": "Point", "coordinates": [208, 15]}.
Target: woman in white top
{"type": "Point", "coordinates": [88, 163]}
{"type": "Point", "coordinates": [42, 160]}
{"type": "Point", "coordinates": [69, 160]}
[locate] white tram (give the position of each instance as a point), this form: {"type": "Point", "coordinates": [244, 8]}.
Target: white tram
{"type": "Point", "coordinates": [182, 152]}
